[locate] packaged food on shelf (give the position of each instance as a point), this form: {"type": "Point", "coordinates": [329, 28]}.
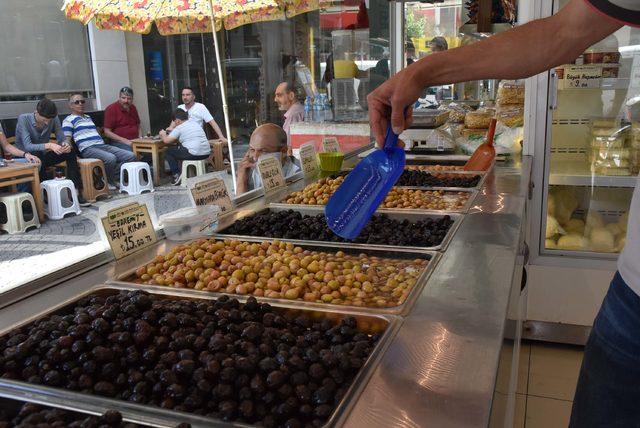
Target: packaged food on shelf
{"type": "Point", "coordinates": [610, 156]}
{"type": "Point", "coordinates": [613, 171]}
{"type": "Point", "coordinates": [610, 71]}
{"type": "Point", "coordinates": [611, 124]}
{"type": "Point", "coordinates": [457, 112]}
{"type": "Point", "coordinates": [510, 92]}
{"type": "Point", "coordinates": [601, 56]}
{"type": "Point", "coordinates": [608, 141]}
{"type": "Point", "coordinates": [510, 115]}
{"type": "Point", "coordinates": [573, 242]}
{"type": "Point", "coordinates": [478, 119]}
{"type": "Point", "coordinates": [553, 227]}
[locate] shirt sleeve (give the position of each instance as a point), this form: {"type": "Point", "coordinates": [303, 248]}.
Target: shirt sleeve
{"type": "Point", "coordinates": [57, 129]}
{"type": "Point", "coordinates": [206, 116]}
{"type": "Point", "coordinates": [175, 133]}
{"type": "Point", "coordinates": [109, 118]}
{"type": "Point", "coordinates": [67, 127]}
{"type": "Point", "coordinates": [23, 138]}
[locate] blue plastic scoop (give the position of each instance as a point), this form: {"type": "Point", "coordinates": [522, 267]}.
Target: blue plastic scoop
{"type": "Point", "coordinates": [351, 206]}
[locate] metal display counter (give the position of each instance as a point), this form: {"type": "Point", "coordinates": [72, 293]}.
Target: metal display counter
{"type": "Point", "coordinates": [438, 363]}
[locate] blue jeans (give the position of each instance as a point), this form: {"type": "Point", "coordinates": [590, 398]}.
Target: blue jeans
{"type": "Point", "coordinates": [120, 145]}
{"type": "Point", "coordinates": [608, 391]}
{"type": "Point", "coordinates": [112, 157]}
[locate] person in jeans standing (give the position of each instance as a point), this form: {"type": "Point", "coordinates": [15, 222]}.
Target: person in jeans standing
{"type": "Point", "coordinates": [608, 390]}
{"type": "Point", "coordinates": [79, 127]}
{"type": "Point", "coordinates": [193, 143]}
{"type": "Point", "coordinates": [33, 135]}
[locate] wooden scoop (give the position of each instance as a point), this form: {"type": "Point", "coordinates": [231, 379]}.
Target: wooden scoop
{"type": "Point", "coordinates": [484, 155]}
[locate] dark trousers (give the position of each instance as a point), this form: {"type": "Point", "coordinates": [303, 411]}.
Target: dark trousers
{"type": "Point", "coordinates": [50, 159]}
{"type": "Point", "coordinates": [608, 391]}
{"type": "Point", "coordinates": [174, 155]}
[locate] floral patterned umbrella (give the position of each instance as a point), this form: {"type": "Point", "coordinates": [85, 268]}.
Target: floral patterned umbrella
{"type": "Point", "coordinates": [174, 16]}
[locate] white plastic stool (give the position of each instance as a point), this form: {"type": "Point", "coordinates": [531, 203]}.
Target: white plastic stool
{"type": "Point", "coordinates": [199, 167]}
{"type": "Point", "coordinates": [14, 217]}
{"type": "Point", "coordinates": [60, 198]}
{"type": "Point", "coordinates": [135, 178]}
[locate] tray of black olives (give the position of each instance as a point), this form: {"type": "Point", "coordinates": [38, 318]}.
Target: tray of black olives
{"type": "Point", "coordinates": [176, 359]}
{"type": "Point", "coordinates": [26, 414]}
{"type": "Point", "coordinates": [416, 176]}
{"type": "Point", "coordinates": [411, 231]}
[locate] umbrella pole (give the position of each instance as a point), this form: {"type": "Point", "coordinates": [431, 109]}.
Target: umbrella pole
{"type": "Point", "coordinates": [223, 95]}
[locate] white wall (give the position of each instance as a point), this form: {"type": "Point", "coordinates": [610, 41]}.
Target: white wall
{"type": "Point", "coordinates": [566, 295]}
{"type": "Point", "coordinates": [109, 64]}
{"type": "Point", "coordinates": [137, 77]}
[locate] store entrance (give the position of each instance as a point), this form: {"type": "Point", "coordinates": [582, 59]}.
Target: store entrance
{"type": "Point", "coordinates": [173, 62]}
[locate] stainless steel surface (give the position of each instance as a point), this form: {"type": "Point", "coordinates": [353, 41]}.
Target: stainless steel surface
{"type": "Point", "coordinates": [440, 368]}
{"type": "Point", "coordinates": [399, 215]}
{"type": "Point", "coordinates": [124, 278]}
{"type": "Point", "coordinates": [556, 332]}
{"type": "Point", "coordinates": [153, 416]}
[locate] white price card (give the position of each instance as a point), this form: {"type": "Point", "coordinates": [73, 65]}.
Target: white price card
{"type": "Point", "coordinates": [583, 76]}
{"type": "Point", "coordinates": [129, 229]}
{"type": "Point", "coordinates": [309, 159]}
{"type": "Point", "coordinates": [270, 170]}
{"type": "Point", "coordinates": [212, 191]}
{"type": "Point", "coordinates": [330, 144]}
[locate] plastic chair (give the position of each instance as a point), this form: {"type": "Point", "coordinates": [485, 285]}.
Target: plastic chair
{"type": "Point", "coordinates": [94, 179]}
{"type": "Point", "coordinates": [198, 167]}
{"type": "Point", "coordinates": [60, 198]}
{"type": "Point", "coordinates": [18, 213]}
{"type": "Point", "coordinates": [135, 178]}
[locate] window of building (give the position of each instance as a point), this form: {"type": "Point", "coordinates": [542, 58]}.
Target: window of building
{"type": "Point", "coordinates": [42, 52]}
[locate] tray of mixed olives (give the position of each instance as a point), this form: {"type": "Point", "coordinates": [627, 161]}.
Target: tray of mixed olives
{"type": "Point", "coordinates": [192, 360]}
{"type": "Point", "coordinates": [389, 230]}
{"type": "Point", "coordinates": [399, 198]}
{"type": "Point", "coordinates": [312, 274]}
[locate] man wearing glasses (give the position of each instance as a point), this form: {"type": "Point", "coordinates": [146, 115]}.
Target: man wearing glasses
{"type": "Point", "coordinates": [121, 121]}
{"type": "Point", "coordinates": [33, 135]}
{"type": "Point", "coordinates": [79, 127]}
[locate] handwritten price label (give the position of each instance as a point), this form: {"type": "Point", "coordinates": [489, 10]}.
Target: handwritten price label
{"type": "Point", "coordinates": [270, 171]}
{"type": "Point", "coordinates": [129, 229]}
{"type": "Point", "coordinates": [212, 191]}
{"type": "Point", "coordinates": [309, 159]}
{"type": "Point", "coordinates": [330, 145]}
{"type": "Point", "coordinates": [583, 77]}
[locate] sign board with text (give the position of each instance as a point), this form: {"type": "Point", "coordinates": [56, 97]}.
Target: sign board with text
{"type": "Point", "coordinates": [581, 76]}
{"type": "Point", "coordinates": [309, 160]}
{"type": "Point", "coordinates": [212, 191]}
{"type": "Point", "coordinates": [330, 144]}
{"type": "Point", "coordinates": [270, 170]}
{"type": "Point", "coordinates": [129, 229]}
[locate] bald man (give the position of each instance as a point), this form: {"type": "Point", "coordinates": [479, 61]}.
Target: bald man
{"type": "Point", "coordinates": [266, 139]}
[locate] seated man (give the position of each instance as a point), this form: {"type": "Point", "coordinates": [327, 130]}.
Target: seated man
{"type": "Point", "coordinates": [33, 135]}
{"type": "Point", "coordinates": [82, 130]}
{"type": "Point", "coordinates": [197, 112]}
{"type": "Point", "coordinates": [268, 138]}
{"type": "Point", "coordinates": [121, 120]}
{"type": "Point", "coordinates": [14, 151]}
{"type": "Point", "coordinates": [193, 143]}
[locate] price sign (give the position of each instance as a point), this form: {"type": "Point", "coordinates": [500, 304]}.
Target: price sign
{"type": "Point", "coordinates": [309, 159]}
{"type": "Point", "coordinates": [583, 76]}
{"type": "Point", "coordinates": [212, 191]}
{"type": "Point", "coordinates": [270, 171]}
{"type": "Point", "coordinates": [129, 229]}
{"type": "Point", "coordinates": [330, 144]}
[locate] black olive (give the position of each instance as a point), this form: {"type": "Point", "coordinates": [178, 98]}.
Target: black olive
{"type": "Point", "coordinates": [275, 379]}
{"type": "Point", "coordinates": [184, 367]}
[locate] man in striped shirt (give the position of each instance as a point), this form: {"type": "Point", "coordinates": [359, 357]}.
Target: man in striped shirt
{"type": "Point", "coordinates": [82, 130]}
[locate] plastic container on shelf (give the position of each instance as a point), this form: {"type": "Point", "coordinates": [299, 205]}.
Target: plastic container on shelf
{"type": "Point", "coordinates": [602, 55]}
{"type": "Point", "coordinates": [190, 223]}
{"type": "Point", "coordinates": [331, 161]}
